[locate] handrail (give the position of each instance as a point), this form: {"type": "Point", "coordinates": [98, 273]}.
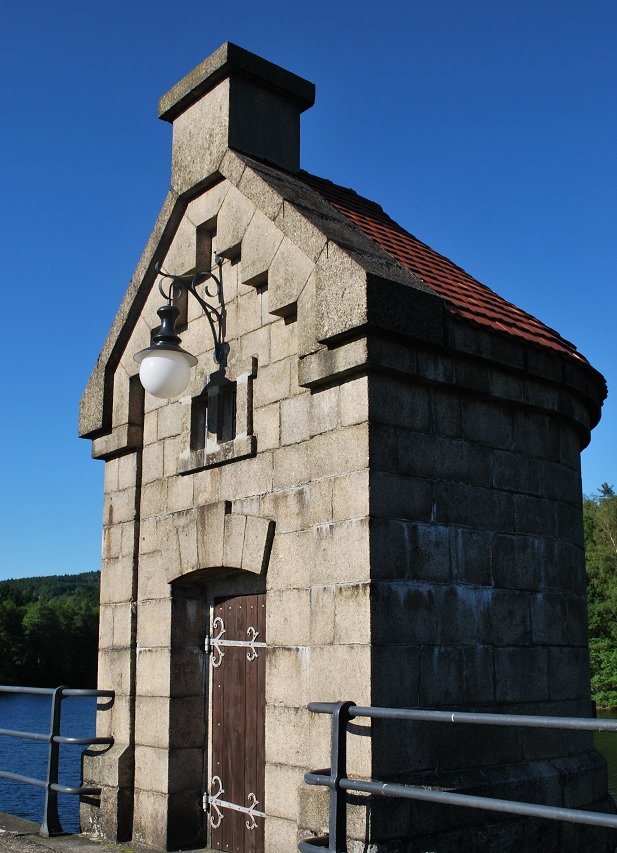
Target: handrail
{"type": "Point", "coordinates": [335, 777]}
{"type": "Point", "coordinates": [50, 824]}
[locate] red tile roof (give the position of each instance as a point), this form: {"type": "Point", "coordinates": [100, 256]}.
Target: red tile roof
{"type": "Point", "coordinates": [464, 296]}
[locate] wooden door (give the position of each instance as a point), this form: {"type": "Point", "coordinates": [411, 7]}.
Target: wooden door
{"type": "Point", "coordinates": [238, 667]}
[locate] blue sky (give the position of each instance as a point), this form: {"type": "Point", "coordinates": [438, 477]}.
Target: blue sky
{"type": "Point", "coordinates": [487, 129]}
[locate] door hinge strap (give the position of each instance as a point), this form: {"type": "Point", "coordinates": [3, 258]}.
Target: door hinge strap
{"type": "Point", "coordinates": [214, 644]}
{"type": "Point", "coordinates": [214, 803]}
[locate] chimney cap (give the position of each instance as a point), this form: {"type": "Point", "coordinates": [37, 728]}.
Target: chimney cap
{"type": "Point", "coordinates": [230, 60]}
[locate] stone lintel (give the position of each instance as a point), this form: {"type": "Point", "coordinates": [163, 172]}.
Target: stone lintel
{"type": "Point", "coordinates": [211, 537]}
{"type": "Point", "coordinates": [227, 61]}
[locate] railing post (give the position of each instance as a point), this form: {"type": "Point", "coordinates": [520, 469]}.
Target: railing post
{"type": "Point", "coordinates": [50, 824]}
{"type": "Point", "coordinates": [337, 827]}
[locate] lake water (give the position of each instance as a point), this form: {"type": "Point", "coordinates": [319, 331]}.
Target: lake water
{"type": "Point", "coordinates": [29, 758]}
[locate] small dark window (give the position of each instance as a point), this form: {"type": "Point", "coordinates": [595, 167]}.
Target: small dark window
{"type": "Point", "coordinates": [226, 413]}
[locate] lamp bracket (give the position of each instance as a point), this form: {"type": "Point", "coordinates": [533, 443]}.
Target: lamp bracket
{"type": "Point", "coordinates": [189, 282]}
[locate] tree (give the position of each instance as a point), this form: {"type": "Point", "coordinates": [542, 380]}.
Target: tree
{"type": "Point", "coordinates": [49, 630]}
{"type": "Point", "coordinates": [600, 522]}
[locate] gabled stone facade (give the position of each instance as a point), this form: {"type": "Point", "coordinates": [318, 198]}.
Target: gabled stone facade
{"type": "Point", "coordinates": [402, 484]}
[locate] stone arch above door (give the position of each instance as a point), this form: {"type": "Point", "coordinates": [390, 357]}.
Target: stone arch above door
{"type": "Point", "coordinates": [211, 537]}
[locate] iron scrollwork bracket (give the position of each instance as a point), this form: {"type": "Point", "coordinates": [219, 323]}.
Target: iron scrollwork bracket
{"type": "Point", "coordinates": [189, 282]}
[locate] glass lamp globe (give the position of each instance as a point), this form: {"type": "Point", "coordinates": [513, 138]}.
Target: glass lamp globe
{"type": "Point", "coordinates": [165, 373]}
{"type": "Point", "coordinates": [164, 367]}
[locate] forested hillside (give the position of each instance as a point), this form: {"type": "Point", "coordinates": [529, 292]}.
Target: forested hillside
{"type": "Point", "coordinates": [600, 516]}
{"type": "Point", "coordinates": [49, 630]}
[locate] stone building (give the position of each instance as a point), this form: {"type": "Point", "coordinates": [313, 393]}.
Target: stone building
{"type": "Point", "coordinates": [379, 479]}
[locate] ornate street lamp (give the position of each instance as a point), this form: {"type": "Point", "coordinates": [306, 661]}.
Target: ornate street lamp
{"type": "Point", "coordinates": [164, 367]}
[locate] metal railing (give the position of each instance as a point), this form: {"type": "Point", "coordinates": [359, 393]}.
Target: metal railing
{"type": "Point", "coordinates": [50, 824]}
{"type": "Point", "coordinates": [335, 777]}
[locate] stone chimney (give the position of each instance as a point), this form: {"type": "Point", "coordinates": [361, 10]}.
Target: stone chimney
{"type": "Point", "coordinates": [234, 99]}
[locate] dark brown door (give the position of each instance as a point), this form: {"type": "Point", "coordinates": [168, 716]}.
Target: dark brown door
{"type": "Point", "coordinates": [238, 668]}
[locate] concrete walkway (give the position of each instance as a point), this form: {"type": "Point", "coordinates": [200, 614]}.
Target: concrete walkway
{"type": "Point", "coordinates": [22, 836]}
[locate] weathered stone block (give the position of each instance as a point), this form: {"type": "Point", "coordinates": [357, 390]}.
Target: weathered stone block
{"type": "Point", "coordinates": [203, 209]}
{"type": "Point", "coordinates": [152, 469]}
{"type": "Point", "coordinates": [287, 735]}
{"type": "Point", "coordinates": [280, 834]}
{"type": "Point", "coordinates": [522, 675]}
{"type": "Point", "coordinates": [534, 515]}
{"type": "Point", "coordinates": [153, 498]}
{"type": "Point", "coordinates": [123, 625]}
{"type": "Point", "coordinates": [232, 222]}
{"type": "Point", "coordinates": [282, 786]}
{"type": "Point", "coordinates": [536, 435]}
{"type": "Point", "coordinates": [350, 496]}
{"type": "Point", "coordinates": [272, 383]}
{"type": "Point", "coordinates": [569, 524]}
{"type": "Point", "coordinates": [441, 675]}
{"type": "Point", "coordinates": [340, 673]}
{"type": "Point", "coordinates": [180, 494]}
{"type": "Point", "coordinates": [289, 617]}
{"type": "Point", "coordinates": [461, 603]}
{"type": "Point", "coordinates": [395, 496]}
{"type": "Point", "coordinates": [235, 526]}
{"type": "Point", "coordinates": [250, 477]}
{"type": "Point", "coordinates": [473, 506]}
{"type": "Point", "coordinates": [404, 612]}
{"type": "Point", "coordinates": [324, 411]}
{"type": "Point", "coordinates": [267, 426]}
{"type": "Point", "coordinates": [172, 419]}
{"type": "Point", "coordinates": [354, 401]}
{"type": "Point", "coordinates": [287, 676]}
{"type": "Point", "coordinates": [303, 507]}
{"type": "Point", "coordinates": [518, 561]}
{"type": "Point", "coordinates": [292, 559]}
{"type": "Point", "coordinates": [568, 672]}
{"type": "Point", "coordinates": [153, 672]}
{"type": "Point", "coordinates": [119, 506]}
{"type": "Point", "coordinates": [283, 337]}
{"type": "Point", "coordinates": [549, 618]}
{"type": "Point", "coordinates": [106, 626]}
{"type": "Point", "coordinates": [288, 274]}
{"type": "Point", "coordinates": [152, 768]}
{"type": "Point", "coordinates": [487, 423]}
{"type": "Point", "coordinates": [112, 539]}
{"type": "Point", "coordinates": [114, 670]}
{"type": "Point", "coordinates": [352, 609]}
{"type": "Point", "coordinates": [445, 412]}
{"type": "Point", "coordinates": [152, 581]}
{"type": "Point", "coordinates": [154, 624]}
{"type": "Point", "coordinates": [211, 533]}
{"type": "Point", "coordinates": [504, 618]}
{"type": "Point", "coordinates": [248, 317]}
{"type": "Point", "coordinates": [322, 603]}
{"type": "Point", "coordinates": [430, 552]}
{"type": "Point", "coordinates": [341, 552]}
{"type": "Point", "coordinates": [117, 580]}
{"type": "Point", "coordinates": [399, 404]}
{"type": "Point", "coordinates": [127, 471]}
{"type": "Point", "coordinates": [256, 344]}
{"type": "Point", "coordinates": [257, 544]}
{"type": "Point", "coordinates": [295, 419]}
{"type": "Point", "coordinates": [517, 473]}
{"type": "Point", "coordinates": [259, 244]}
